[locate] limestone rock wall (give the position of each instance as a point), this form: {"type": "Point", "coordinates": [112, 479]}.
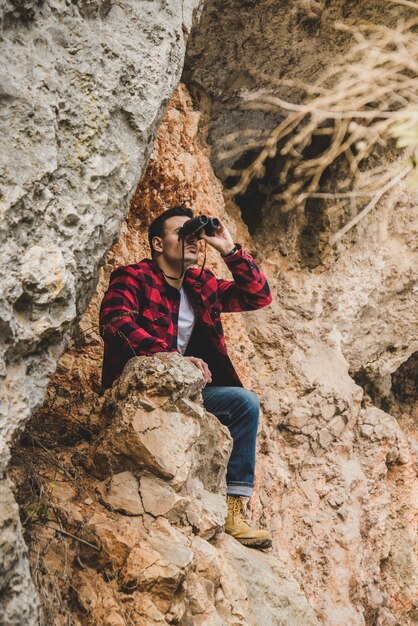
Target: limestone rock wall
{"type": "Point", "coordinates": [129, 529]}
{"type": "Point", "coordinates": [336, 475]}
{"type": "Point", "coordinates": [117, 531]}
{"type": "Point", "coordinates": [82, 88]}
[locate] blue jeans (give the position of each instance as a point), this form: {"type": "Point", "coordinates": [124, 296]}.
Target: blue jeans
{"type": "Point", "coordinates": [238, 409]}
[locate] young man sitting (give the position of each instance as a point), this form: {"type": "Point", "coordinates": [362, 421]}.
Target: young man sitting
{"type": "Point", "coordinates": [165, 304]}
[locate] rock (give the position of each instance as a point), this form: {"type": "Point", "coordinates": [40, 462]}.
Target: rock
{"type": "Point", "coordinates": [206, 560]}
{"type": "Point", "coordinates": [263, 592]}
{"type": "Point", "coordinates": [298, 417]}
{"type": "Point", "coordinates": [134, 571]}
{"type": "Point", "coordinates": [85, 85]}
{"type": "Point", "coordinates": [170, 376]}
{"type": "Point", "coordinates": [366, 430]}
{"type": "Point", "coordinates": [121, 493]}
{"type": "Point", "coordinates": [145, 438]}
{"type": "Point", "coordinates": [206, 511]}
{"type": "Point", "coordinates": [375, 596]}
{"type": "Point", "coordinates": [18, 593]}
{"type": "Point", "coordinates": [327, 411]}
{"type": "Point", "coordinates": [107, 541]}
{"type": "Point", "coordinates": [310, 492]}
{"type": "Point", "coordinates": [211, 454]}
{"type": "Point", "coordinates": [175, 558]}
{"type": "Point", "coordinates": [96, 598]}
{"type": "Point", "coordinates": [159, 499]}
{"type": "Point", "coordinates": [146, 611]}
{"type": "Point", "coordinates": [325, 437]}
{"type": "Point", "coordinates": [336, 426]}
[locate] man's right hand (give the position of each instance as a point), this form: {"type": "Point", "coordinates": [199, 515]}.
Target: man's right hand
{"type": "Point", "coordinates": [202, 366]}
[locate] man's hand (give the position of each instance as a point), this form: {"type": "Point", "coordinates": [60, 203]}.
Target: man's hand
{"type": "Point", "coordinates": [202, 366]}
{"type": "Point", "coordinates": [222, 239]}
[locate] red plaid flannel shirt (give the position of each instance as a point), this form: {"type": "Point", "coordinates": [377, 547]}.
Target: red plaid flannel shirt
{"type": "Point", "coordinates": [139, 311]}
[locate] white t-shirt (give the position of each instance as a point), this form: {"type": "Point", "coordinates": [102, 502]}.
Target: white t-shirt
{"type": "Point", "coordinates": [186, 322]}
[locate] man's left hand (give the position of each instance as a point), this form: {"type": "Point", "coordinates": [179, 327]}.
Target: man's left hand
{"type": "Point", "coordinates": [203, 366]}
{"type": "Point", "coordinates": [221, 240]}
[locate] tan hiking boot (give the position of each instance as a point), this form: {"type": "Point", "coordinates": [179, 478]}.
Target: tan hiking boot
{"type": "Point", "coordinates": [238, 527]}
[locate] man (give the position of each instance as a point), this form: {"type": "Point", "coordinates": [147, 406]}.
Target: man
{"type": "Point", "coordinates": [167, 305]}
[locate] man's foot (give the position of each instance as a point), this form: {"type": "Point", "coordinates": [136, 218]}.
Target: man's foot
{"type": "Point", "coordinates": [238, 527]}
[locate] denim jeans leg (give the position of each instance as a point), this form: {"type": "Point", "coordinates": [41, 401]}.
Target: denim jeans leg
{"type": "Point", "coordinates": [238, 409]}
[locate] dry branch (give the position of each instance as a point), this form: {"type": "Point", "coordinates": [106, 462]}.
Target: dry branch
{"type": "Point", "coordinates": [366, 103]}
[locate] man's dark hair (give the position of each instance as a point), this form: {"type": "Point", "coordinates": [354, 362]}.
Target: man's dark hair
{"type": "Point", "coordinates": [156, 228]}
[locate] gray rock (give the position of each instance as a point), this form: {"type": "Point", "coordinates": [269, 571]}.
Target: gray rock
{"type": "Point", "coordinates": [16, 583]}
{"type": "Point", "coordinates": [83, 86]}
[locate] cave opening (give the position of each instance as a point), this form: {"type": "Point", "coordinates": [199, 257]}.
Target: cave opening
{"type": "Point", "coordinates": [405, 382]}
{"type": "Point", "coordinates": [299, 231]}
{"type": "Point", "coordinates": [400, 397]}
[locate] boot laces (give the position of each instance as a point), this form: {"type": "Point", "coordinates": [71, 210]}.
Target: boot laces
{"type": "Point", "coordinates": [238, 511]}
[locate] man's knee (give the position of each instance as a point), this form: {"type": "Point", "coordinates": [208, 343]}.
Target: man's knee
{"type": "Point", "coordinates": [249, 405]}
{"type": "Point", "coordinates": [250, 399]}
{"type": "Point", "coordinates": [233, 404]}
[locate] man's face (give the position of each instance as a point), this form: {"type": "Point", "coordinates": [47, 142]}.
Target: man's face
{"type": "Point", "coordinates": [170, 244]}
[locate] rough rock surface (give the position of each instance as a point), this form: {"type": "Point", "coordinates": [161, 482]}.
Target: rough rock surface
{"type": "Point", "coordinates": [83, 86]}
{"type": "Point", "coordinates": [145, 543]}
{"type": "Point", "coordinates": [371, 297]}
{"type": "Point", "coordinates": [336, 476]}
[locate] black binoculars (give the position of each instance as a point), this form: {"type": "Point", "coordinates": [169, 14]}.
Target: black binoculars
{"type": "Point", "coordinates": [195, 224]}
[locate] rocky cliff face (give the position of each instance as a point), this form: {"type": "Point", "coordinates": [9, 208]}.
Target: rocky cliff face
{"type": "Point", "coordinates": [83, 87]}
{"type": "Point", "coordinates": [134, 536]}
{"type": "Point", "coordinates": [121, 495]}
{"type": "Point", "coordinates": [335, 474]}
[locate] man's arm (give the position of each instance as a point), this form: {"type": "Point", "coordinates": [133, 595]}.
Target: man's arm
{"type": "Point", "coordinates": [119, 308]}
{"type": "Point", "coordinates": [249, 290]}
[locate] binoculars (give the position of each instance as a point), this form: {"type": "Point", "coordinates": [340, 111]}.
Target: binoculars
{"type": "Point", "coordinates": [195, 224]}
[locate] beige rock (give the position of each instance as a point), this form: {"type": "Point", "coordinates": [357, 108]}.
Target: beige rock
{"type": "Point", "coordinates": [136, 437]}
{"type": "Point", "coordinates": [206, 511]}
{"type": "Point", "coordinates": [167, 374]}
{"type": "Point", "coordinates": [211, 454]}
{"type": "Point", "coordinates": [145, 438]}
{"type": "Point", "coordinates": [107, 541]}
{"type": "Point", "coordinates": [159, 499]}
{"type": "Point", "coordinates": [206, 560]}
{"type": "Point", "coordinates": [200, 593]}
{"type": "Point", "coordinates": [121, 492]}
{"type": "Point", "coordinates": [366, 430]}
{"type": "Point", "coordinates": [327, 411]}
{"type": "Point", "coordinates": [134, 571]}
{"type": "Point", "coordinates": [310, 492]}
{"type": "Point", "coordinates": [165, 575]}
{"type": "Point", "coordinates": [298, 417]}
{"type": "Point", "coordinates": [336, 426]}
{"type": "Point", "coordinates": [260, 588]}
{"type": "Point", "coordinates": [146, 612]}
{"type": "Point", "coordinates": [325, 437]}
